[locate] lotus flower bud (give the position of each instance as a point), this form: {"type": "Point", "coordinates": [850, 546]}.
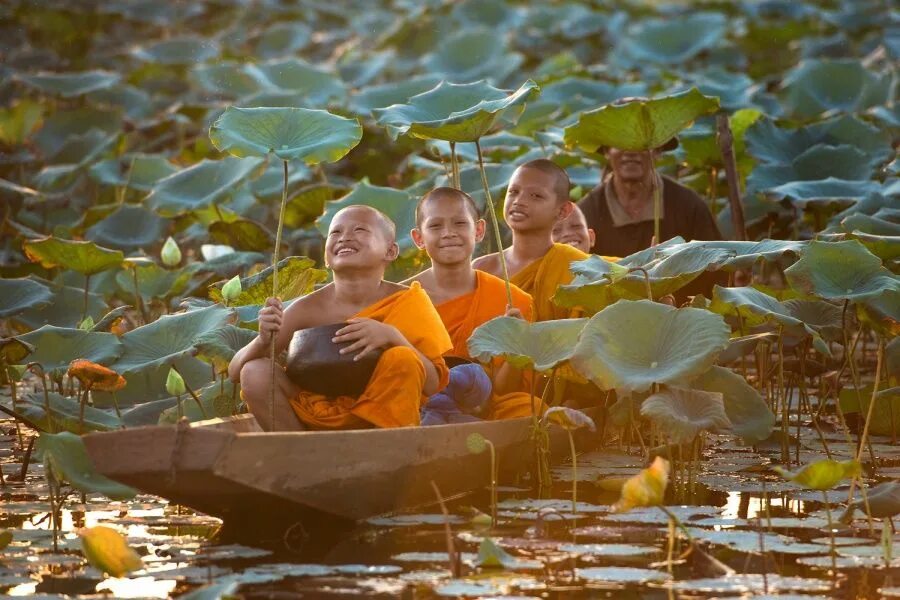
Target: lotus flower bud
{"type": "Point", "coordinates": [170, 253]}
{"type": "Point", "coordinates": [174, 383]}
{"type": "Point", "coordinates": [87, 324]}
{"type": "Point", "coordinates": [232, 289]}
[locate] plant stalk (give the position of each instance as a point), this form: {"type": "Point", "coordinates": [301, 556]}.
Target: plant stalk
{"type": "Point", "coordinates": [494, 223]}
{"type": "Point", "coordinates": [278, 232]}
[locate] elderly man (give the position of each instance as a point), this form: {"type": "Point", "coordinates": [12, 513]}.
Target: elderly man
{"type": "Point", "coordinates": [620, 209]}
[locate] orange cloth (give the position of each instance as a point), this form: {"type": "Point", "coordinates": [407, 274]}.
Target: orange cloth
{"type": "Point", "coordinates": [463, 314]}
{"type": "Point", "coordinates": [543, 276]}
{"type": "Point", "coordinates": [394, 393]}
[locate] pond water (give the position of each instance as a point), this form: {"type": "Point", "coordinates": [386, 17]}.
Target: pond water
{"type": "Point", "coordinates": [771, 534]}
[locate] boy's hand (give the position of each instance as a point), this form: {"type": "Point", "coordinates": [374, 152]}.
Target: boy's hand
{"type": "Point", "coordinates": [512, 311]}
{"type": "Point", "coordinates": [270, 318]}
{"type": "Point", "coordinates": [367, 335]}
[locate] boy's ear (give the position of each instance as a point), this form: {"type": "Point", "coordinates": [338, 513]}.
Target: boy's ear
{"type": "Point", "coordinates": [417, 238]}
{"type": "Point", "coordinates": [480, 228]}
{"type": "Point", "coordinates": [565, 210]}
{"type": "Point", "coordinates": [393, 252]}
{"type": "Point", "coordinates": [592, 236]}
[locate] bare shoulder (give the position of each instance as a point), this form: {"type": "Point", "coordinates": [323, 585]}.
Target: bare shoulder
{"type": "Point", "coordinates": [301, 313]}
{"type": "Point", "coordinates": [489, 263]}
{"type": "Point", "coordinates": [422, 277]}
{"type": "Point", "coordinates": [390, 287]}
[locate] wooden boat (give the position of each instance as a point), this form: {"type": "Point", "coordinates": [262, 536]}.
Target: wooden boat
{"type": "Point", "coordinates": [255, 480]}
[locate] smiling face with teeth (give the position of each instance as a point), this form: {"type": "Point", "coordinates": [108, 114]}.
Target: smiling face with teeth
{"type": "Point", "coordinates": [532, 200]}
{"type": "Point", "coordinates": [448, 226]}
{"type": "Point", "coordinates": [360, 237]}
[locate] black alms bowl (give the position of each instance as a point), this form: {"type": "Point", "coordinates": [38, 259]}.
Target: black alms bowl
{"type": "Point", "coordinates": [315, 364]}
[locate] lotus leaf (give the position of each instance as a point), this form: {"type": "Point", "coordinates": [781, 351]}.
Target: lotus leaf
{"type": "Point", "coordinates": [59, 311]}
{"type": "Point", "coordinates": [818, 162]}
{"type": "Point", "coordinates": [178, 51]}
{"type": "Point", "coordinates": [822, 474]}
{"type": "Point", "coordinates": [269, 185]}
{"type": "Point", "coordinates": [883, 500]}
{"type": "Point", "coordinates": [375, 96]}
{"type": "Point", "coordinates": [64, 453]}
{"type": "Point", "coordinates": [673, 40]}
{"type": "Point", "coordinates": [200, 185]}
{"type": "Point", "coordinates": [470, 54]}
{"type": "Point", "coordinates": [639, 124]}
{"type": "Point", "coordinates": [398, 205]}
{"type": "Point", "coordinates": [455, 112]}
{"type": "Point", "coordinates": [167, 339]}
{"type": "Point", "coordinates": [18, 294]}
{"type": "Point", "coordinates": [65, 123]}
{"type": "Point", "coordinates": [150, 384]}
{"type": "Point", "coordinates": [308, 204]}
{"type": "Point", "coordinates": [750, 416]}
{"type": "Point", "coordinates": [219, 346]}
{"type": "Point", "coordinates": [297, 277]}
{"type": "Point", "coordinates": [153, 281]}
{"type": "Point", "coordinates": [13, 351]}
{"type": "Point", "coordinates": [568, 418]}
{"type": "Point", "coordinates": [65, 414]}
{"type": "Point", "coordinates": [106, 550]}
{"type": "Point", "coordinates": [243, 234]}
{"type": "Point", "coordinates": [111, 318]}
{"type": "Point", "coordinates": [230, 263]}
{"type": "Point", "coordinates": [684, 413]}
{"type": "Point", "coordinates": [841, 271]}
{"type": "Point", "coordinates": [574, 94]}
{"type": "Point", "coordinates": [56, 347]}
{"type": "Point", "coordinates": [740, 255]}
{"type": "Point", "coordinates": [227, 78]}
{"type": "Point", "coordinates": [886, 412]}
{"type": "Point", "coordinates": [290, 133]}
{"type": "Point", "coordinates": [282, 39]}
{"type": "Point", "coordinates": [845, 85]}
{"type": "Point", "coordinates": [540, 346]}
{"type": "Point", "coordinates": [129, 227]}
{"type": "Point", "coordinates": [19, 121]}
{"type": "Point", "coordinates": [634, 344]}
{"type": "Point", "coordinates": [824, 191]}
{"type": "Point", "coordinates": [632, 575]}
{"type": "Point", "coordinates": [72, 84]}
{"type": "Point", "coordinates": [298, 79]}
{"type": "Point", "coordinates": [135, 171]}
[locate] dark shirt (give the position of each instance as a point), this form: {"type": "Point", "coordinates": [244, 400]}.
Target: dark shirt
{"type": "Point", "coordinates": [684, 214]}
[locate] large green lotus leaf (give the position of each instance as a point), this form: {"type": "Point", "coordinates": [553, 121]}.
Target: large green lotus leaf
{"type": "Point", "coordinates": [825, 191]}
{"type": "Point", "coordinates": [864, 223]}
{"type": "Point", "coordinates": [229, 79]}
{"type": "Point", "coordinates": [472, 53]}
{"type": "Point", "coordinates": [59, 312]}
{"type": "Point", "coordinates": [750, 416]}
{"type": "Point", "coordinates": [313, 136]}
{"type": "Point", "coordinates": [55, 347]}
{"type": "Point", "coordinates": [633, 344]}
{"type": "Point", "coordinates": [683, 413]}
{"type": "Point", "coordinates": [300, 79]}
{"type": "Point", "coordinates": [885, 247]}
{"type": "Point", "coordinates": [742, 255]}
{"type": "Point", "coordinates": [135, 171]}
{"type": "Point", "coordinates": [268, 186]}
{"type": "Point", "coordinates": [371, 97]}
{"type": "Point", "coordinates": [398, 205]}
{"type": "Point", "coordinates": [574, 94]}
{"type": "Point", "coordinates": [822, 474]}
{"type": "Point", "coordinates": [297, 276]}
{"type": "Point", "coordinates": [229, 264]}
{"type": "Point", "coordinates": [308, 204]}
{"type": "Point", "coordinates": [75, 154]}
{"type": "Point", "coordinates": [455, 112]}
{"type": "Point", "coordinates": [135, 103]}
{"type": "Point", "coordinates": [701, 146]}
{"type": "Point", "coordinates": [282, 39]}
{"type": "Point", "coordinates": [881, 313]}
{"type": "Point", "coordinates": [65, 413]}
{"type": "Point", "coordinates": [200, 185]}
{"type": "Point", "coordinates": [242, 234]}
{"type": "Point", "coordinates": [66, 123]}
{"type": "Point", "coordinates": [673, 40]}
{"type": "Point", "coordinates": [756, 307]}
{"type": "Point", "coordinates": [498, 176]}
{"type": "Point", "coordinates": [770, 143]}
{"type": "Point", "coordinates": [492, 13]}
{"type": "Point", "coordinates": [219, 346]}
{"type": "Point", "coordinates": [640, 124]}
{"type": "Point", "coordinates": [595, 287]}
{"type": "Point", "coordinates": [818, 162]}
{"type": "Point", "coordinates": [16, 295]}
{"type": "Point", "coordinates": [168, 338]}
{"type": "Point", "coordinates": [64, 453]}
{"type": "Point", "coordinates": [149, 385]}
{"type": "Point", "coordinates": [178, 51]}
{"type": "Point", "coordinates": [70, 84]}
{"type": "Point", "coordinates": [153, 281]}
{"type": "Point", "coordinates": [819, 315]}
{"type": "Point", "coordinates": [129, 227]}
{"type": "Point", "coordinates": [540, 346]}
{"type": "Point", "coordinates": [841, 271]}
{"type": "Point", "coordinates": [844, 85]}
{"type": "Point", "coordinates": [85, 257]}
{"type": "Point", "coordinates": [13, 351]}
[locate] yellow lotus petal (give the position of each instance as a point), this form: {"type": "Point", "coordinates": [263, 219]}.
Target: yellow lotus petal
{"type": "Point", "coordinates": [107, 550]}
{"type": "Point", "coordinates": [647, 488]}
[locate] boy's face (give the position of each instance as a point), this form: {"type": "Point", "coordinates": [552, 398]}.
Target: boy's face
{"type": "Point", "coordinates": [357, 239]}
{"type": "Point", "coordinates": [447, 230]}
{"type": "Point", "coordinates": [573, 230]}
{"type": "Point", "coordinates": [531, 202]}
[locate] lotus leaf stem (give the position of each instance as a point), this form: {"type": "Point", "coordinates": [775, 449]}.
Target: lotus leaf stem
{"type": "Point", "coordinates": [452, 557]}
{"type": "Point", "coordinates": [865, 433]}
{"type": "Point", "coordinates": [832, 546]}
{"type": "Point", "coordinates": [454, 167]}
{"type": "Point", "coordinates": [192, 393]}
{"type": "Point", "coordinates": [574, 471]}
{"type": "Point", "coordinates": [278, 232]}
{"type": "Point", "coordinates": [87, 283]}
{"type": "Point", "coordinates": [494, 223]}
{"type": "Point", "coordinates": [657, 200]}
{"type": "Point", "coordinates": [493, 451]}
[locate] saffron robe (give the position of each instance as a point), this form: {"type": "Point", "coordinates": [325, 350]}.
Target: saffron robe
{"type": "Point", "coordinates": [393, 396]}
{"type": "Point", "coordinates": [543, 276]}
{"type": "Point", "coordinates": [463, 314]}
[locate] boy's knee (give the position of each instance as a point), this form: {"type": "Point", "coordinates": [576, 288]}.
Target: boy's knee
{"type": "Point", "coordinates": [255, 378]}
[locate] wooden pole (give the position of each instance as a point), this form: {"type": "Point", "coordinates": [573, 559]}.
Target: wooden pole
{"type": "Point", "coordinates": [726, 146]}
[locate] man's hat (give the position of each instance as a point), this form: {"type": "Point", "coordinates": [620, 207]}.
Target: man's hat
{"type": "Point", "coordinates": [670, 145]}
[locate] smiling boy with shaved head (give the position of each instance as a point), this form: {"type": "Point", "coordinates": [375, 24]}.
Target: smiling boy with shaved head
{"type": "Point", "coordinates": [379, 315]}
{"type": "Point", "coordinates": [537, 198]}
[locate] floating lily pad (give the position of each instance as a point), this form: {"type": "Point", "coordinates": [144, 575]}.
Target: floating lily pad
{"type": "Point", "coordinates": [610, 550]}
{"type": "Point", "coordinates": [621, 575]}
{"type": "Point", "coordinates": [406, 520]}
{"type": "Point", "coordinates": [732, 584]}
{"type": "Point", "coordinates": [529, 504]}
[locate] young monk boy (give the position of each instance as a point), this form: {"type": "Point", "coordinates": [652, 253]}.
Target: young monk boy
{"type": "Point", "coordinates": [536, 199]}
{"type": "Point", "coordinates": [574, 231]}
{"type": "Point", "coordinates": [448, 227]}
{"type": "Point", "coordinates": [379, 315]}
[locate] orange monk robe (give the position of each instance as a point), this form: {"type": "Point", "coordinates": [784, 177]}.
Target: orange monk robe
{"type": "Point", "coordinates": [543, 276]}
{"type": "Point", "coordinates": [463, 314]}
{"type": "Point", "coordinates": [394, 393]}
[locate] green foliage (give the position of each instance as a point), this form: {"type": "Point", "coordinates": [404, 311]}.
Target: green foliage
{"type": "Point", "coordinates": [296, 278]}
{"type": "Point", "coordinates": [55, 347]}
{"type": "Point", "coordinates": [65, 455]}
{"type": "Point", "coordinates": [841, 271]}
{"type": "Point", "coordinates": [540, 346]}
{"type": "Point", "coordinates": [86, 258]}
{"type": "Point", "coordinates": [822, 474]}
{"type": "Point", "coordinates": [18, 294]}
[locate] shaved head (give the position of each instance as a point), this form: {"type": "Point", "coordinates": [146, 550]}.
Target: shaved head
{"type": "Point", "coordinates": [561, 182]}
{"type": "Point", "coordinates": [385, 225]}
{"type": "Point", "coordinates": [445, 194]}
